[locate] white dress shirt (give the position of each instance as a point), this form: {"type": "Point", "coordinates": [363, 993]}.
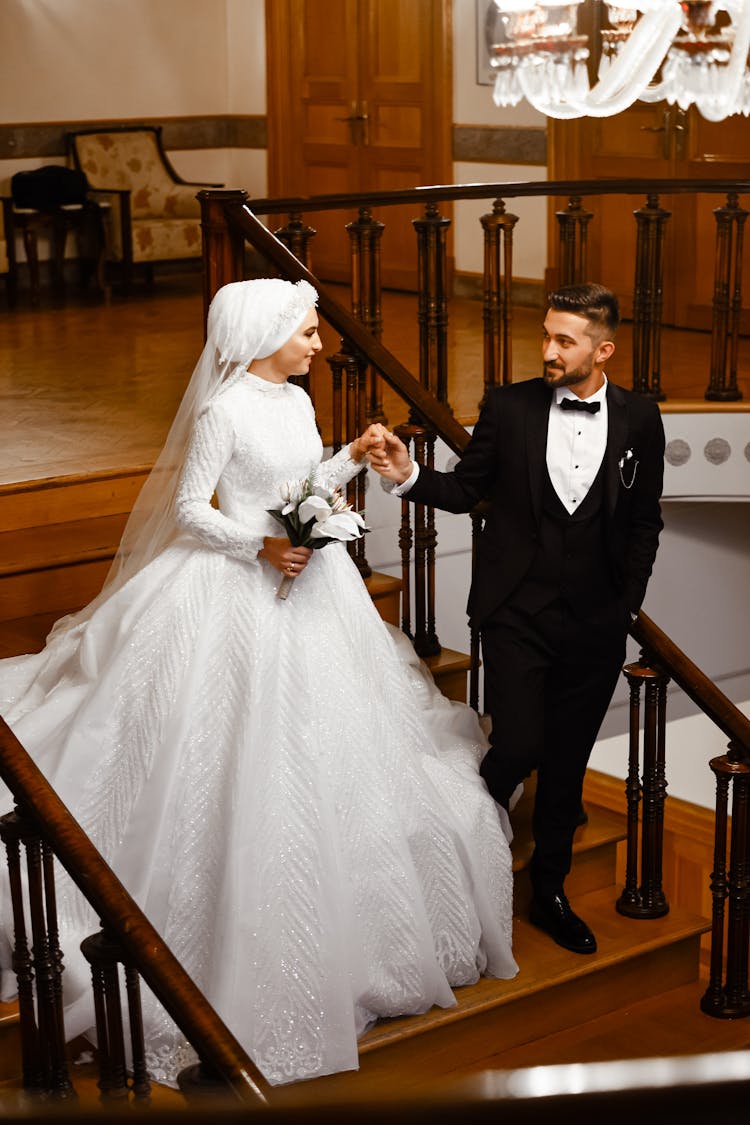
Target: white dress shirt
{"type": "Point", "coordinates": [575, 446]}
{"type": "Point", "coordinates": [576, 442]}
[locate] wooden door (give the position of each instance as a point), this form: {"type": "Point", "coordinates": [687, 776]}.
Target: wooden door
{"type": "Point", "coordinates": [359, 99]}
{"type": "Point", "coordinates": [660, 142]}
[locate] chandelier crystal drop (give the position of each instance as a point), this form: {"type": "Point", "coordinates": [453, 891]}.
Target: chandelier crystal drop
{"type": "Point", "coordinates": [685, 52]}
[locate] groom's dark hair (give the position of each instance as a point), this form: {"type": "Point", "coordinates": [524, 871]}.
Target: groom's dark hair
{"type": "Point", "coordinates": [598, 305]}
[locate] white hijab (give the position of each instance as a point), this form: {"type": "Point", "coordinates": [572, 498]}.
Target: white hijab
{"type": "Point", "coordinates": [247, 320]}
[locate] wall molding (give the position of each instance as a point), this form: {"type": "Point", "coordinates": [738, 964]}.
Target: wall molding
{"type": "Point", "coordinates": [47, 138]}
{"type": "Point", "coordinates": [501, 144]}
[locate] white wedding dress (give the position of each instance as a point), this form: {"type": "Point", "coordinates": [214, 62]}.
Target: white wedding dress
{"type": "Point", "coordinates": [277, 783]}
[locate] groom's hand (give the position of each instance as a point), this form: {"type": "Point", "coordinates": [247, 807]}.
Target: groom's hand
{"type": "Point", "coordinates": [391, 459]}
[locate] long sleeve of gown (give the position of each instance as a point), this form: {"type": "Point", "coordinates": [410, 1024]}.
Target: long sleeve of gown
{"type": "Point", "coordinates": [209, 452]}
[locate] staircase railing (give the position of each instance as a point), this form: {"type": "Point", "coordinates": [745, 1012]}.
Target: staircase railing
{"type": "Point", "coordinates": [727, 995]}
{"type": "Point", "coordinates": [44, 827]}
{"type": "Point", "coordinates": [228, 221]}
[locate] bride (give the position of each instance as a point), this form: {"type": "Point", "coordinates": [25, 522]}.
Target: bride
{"type": "Point", "coordinates": [277, 783]}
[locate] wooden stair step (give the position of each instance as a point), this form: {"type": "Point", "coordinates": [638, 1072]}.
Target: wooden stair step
{"type": "Point", "coordinates": [450, 671]}
{"type": "Point", "coordinates": [68, 498]}
{"type": "Point", "coordinates": [668, 1024]}
{"type": "Point", "coordinates": [50, 546]}
{"type": "Point", "coordinates": [553, 990]}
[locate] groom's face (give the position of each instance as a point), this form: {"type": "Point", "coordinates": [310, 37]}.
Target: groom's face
{"type": "Point", "coordinates": [568, 351]}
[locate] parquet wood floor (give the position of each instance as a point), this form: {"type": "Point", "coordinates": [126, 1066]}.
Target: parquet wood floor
{"type": "Point", "coordinates": [87, 386]}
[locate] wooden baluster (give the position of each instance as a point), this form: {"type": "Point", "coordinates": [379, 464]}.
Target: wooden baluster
{"type": "Point", "coordinates": [497, 296]}
{"type": "Point", "coordinates": [61, 1083]}
{"type": "Point", "coordinates": [648, 901]}
{"type": "Point", "coordinates": [223, 247]}
{"type": "Point", "coordinates": [11, 831]}
{"type": "Point", "coordinates": [653, 899]}
{"type": "Point", "coordinates": [424, 636]}
{"type": "Point", "coordinates": [140, 1084]}
{"type": "Point", "coordinates": [365, 235]}
{"type": "Point", "coordinates": [738, 912]}
{"type": "Point", "coordinates": [355, 423]}
{"type": "Point", "coordinates": [629, 900]}
{"type": "Point", "coordinates": [348, 423]}
{"type": "Point", "coordinates": [432, 314]}
{"type": "Point", "coordinates": [573, 224]}
{"type": "Point", "coordinates": [43, 969]}
{"type": "Point", "coordinates": [714, 999]}
{"type": "Point", "coordinates": [406, 543]}
{"type": "Point", "coordinates": [647, 298]}
{"type": "Point", "coordinates": [103, 954]}
{"type": "Point", "coordinates": [730, 999]}
{"type": "Point", "coordinates": [297, 236]}
{"type": "Point", "coordinates": [727, 303]}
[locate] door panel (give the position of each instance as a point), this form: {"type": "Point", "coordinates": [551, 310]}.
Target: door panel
{"type": "Point", "coordinates": [371, 110]}
{"type": "Point", "coordinates": [656, 141]}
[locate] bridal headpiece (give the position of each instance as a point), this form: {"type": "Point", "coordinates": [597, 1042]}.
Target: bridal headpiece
{"type": "Point", "coordinates": [247, 320]}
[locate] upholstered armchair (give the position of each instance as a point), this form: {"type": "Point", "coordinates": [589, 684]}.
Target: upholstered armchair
{"type": "Point", "coordinates": [153, 214]}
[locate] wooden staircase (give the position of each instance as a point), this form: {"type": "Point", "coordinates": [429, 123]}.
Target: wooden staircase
{"type": "Point", "coordinates": [56, 543]}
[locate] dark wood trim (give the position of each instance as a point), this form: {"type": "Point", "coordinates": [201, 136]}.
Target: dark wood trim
{"type": "Point", "coordinates": [47, 138]}
{"type": "Point", "coordinates": [489, 144]}
{"type": "Point", "coordinates": [522, 189]}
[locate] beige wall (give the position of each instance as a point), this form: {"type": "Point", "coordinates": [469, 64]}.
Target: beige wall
{"type": "Point", "coordinates": [80, 60]}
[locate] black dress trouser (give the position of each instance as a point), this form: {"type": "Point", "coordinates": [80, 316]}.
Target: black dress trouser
{"type": "Point", "coordinates": [548, 681]}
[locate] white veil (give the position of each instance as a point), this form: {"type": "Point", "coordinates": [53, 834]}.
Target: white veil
{"type": "Point", "coordinates": [247, 320]}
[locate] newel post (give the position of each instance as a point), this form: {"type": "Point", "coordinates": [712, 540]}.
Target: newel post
{"type": "Point", "coordinates": [728, 997]}
{"type": "Point", "coordinates": [646, 900]}
{"type": "Point", "coordinates": [223, 247]}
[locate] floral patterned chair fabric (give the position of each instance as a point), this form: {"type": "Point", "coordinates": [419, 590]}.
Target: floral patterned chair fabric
{"type": "Point", "coordinates": [154, 216]}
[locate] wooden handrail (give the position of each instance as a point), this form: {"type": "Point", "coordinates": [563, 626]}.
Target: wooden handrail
{"type": "Point", "coordinates": [516, 190]}
{"type": "Point", "coordinates": [158, 966]}
{"type": "Point", "coordinates": [395, 374]}
{"type": "Point", "coordinates": [695, 683]}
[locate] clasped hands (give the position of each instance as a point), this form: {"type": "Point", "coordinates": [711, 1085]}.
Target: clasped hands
{"type": "Point", "coordinates": [388, 456]}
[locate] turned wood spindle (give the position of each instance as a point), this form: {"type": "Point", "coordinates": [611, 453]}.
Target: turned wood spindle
{"type": "Point", "coordinates": [727, 302]}
{"type": "Point", "coordinates": [432, 315]}
{"type": "Point", "coordinates": [348, 380]}
{"type": "Point", "coordinates": [497, 296]}
{"type": "Point", "coordinates": [573, 226]}
{"type": "Point", "coordinates": [730, 914]}
{"type": "Point", "coordinates": [651, 221]}
{"type": "Point", "coordinates": [365, 235]}
{"type": "Point", "coordinates": [646, 900]}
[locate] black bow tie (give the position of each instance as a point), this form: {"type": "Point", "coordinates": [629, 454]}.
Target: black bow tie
{"type": "Point", "coordinates": [577, 404]}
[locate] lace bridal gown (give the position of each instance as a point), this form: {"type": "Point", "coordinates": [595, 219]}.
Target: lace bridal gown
{"type": "Point", "coordinates": [278, 784]}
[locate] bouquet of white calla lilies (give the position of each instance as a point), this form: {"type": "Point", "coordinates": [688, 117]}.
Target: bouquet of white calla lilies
{"type": "Point", "coordinates": [313, 516]}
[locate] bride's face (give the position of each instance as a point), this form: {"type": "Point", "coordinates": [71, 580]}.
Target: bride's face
{"type": "Point", "coordinates": [294, 357]}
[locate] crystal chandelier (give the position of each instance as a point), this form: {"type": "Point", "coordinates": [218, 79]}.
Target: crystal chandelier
{"type": "Point", "coordinates": [685, 52]}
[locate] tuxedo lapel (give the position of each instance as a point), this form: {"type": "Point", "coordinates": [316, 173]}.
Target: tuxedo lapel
{"type": "Point", "coordinates": [617, 431]}
{"type": "Point", "coordinates": [537, 421]}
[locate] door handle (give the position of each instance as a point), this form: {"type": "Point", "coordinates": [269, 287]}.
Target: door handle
{"type": "Point", "coordinates": [359, 133]}
{"type": "Point", "coordinates": [663, 128]}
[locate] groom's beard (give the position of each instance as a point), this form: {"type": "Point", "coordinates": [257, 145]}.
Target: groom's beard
{"type": "Point", "coordinates": [555, 374]}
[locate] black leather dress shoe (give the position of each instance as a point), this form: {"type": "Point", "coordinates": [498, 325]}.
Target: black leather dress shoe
{"type": "Point", "coordinates": [553, 914]}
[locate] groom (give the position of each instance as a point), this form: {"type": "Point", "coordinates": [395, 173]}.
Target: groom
{"type": "Point", "coordinates": [573, 467]}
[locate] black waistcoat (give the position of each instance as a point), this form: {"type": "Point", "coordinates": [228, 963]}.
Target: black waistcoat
{"type": "Point", "coordinates": [571, 563]}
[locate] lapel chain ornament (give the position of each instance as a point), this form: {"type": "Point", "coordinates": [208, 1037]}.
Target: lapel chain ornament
{"type": "Point", "coordinates": [627, 465]}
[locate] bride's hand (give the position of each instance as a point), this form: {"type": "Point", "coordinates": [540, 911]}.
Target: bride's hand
{"type": "Point", "coordinates": [280, 553]}
{"type": "Point", "coordinates": [372, 438]}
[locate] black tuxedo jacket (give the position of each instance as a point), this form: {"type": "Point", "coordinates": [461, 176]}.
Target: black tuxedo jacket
{"type": "Point", "coordinates": [505, 462]}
